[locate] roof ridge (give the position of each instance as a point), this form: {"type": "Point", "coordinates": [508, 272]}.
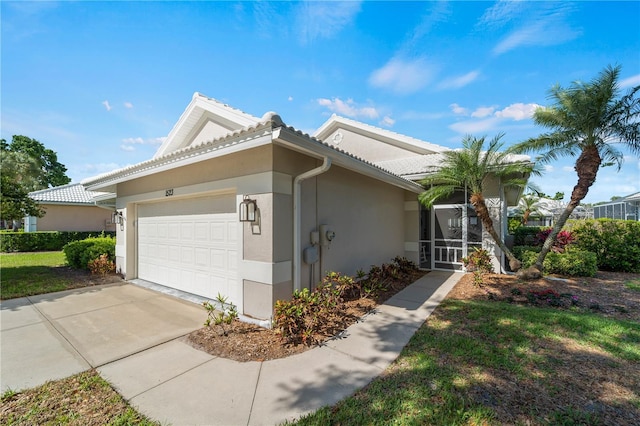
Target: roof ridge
{"type": "Point", "coordinates": [203, 96]}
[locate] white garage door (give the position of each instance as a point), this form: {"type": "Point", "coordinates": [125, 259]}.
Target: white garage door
{"type": "Point", "coordinates": [191, 245]}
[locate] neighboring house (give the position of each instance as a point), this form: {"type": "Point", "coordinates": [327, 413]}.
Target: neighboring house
{"type": "Point", "coordinates": [627, 208]}
{"type": "Point", "coordinates": [70, 208]}
{"type": "Point", "coordinates": [547, 210]}
{"type": "Point", "coordinates": [342, 200]}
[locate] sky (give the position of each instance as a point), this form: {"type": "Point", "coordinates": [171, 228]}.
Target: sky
{"type": "Point", "coordinates": [103, 83]}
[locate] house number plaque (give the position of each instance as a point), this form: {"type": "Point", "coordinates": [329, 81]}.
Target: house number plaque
{"type": "Point", "coordinates": [168, 193]}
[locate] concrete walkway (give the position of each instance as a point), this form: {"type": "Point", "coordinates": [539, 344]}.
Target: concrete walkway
{"type": "Point", "coordinates": [133, 336]}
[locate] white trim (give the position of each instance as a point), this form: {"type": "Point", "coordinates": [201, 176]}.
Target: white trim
{"type": "Point", "coordinates": [409, 143]}
{"type": "Point", "coordinates": [265, 272]}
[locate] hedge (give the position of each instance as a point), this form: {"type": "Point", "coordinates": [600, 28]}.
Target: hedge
{"type": "Point", "coordinates": [80, 253]}
{"type": "Point", "coordinates": [526, 235]}
{"type": "Point", "coordinates": [572, 262]}
{"type": "Point", "coordinates": [43, 240]}
{"type": "Point", "coordinates": [615, 242]}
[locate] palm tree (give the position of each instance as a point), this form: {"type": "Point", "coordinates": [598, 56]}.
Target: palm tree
{"type": "Point", "coordinates": [529, 204]}
{"type": "Point", "coordinates": [586, 119]}
{"type": "Point", "coordinates": [471, 168]}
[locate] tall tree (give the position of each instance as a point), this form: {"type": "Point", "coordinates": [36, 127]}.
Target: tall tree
{"type": "Point", "coordinates": [27, 165]}
{"type": "Point", "coordinates": [17, 180]}
{"type": "Point", "coordinates": [471, 168]}
{"type": "Point", "coordinates": [52, 172]}
{"type": "Point", "coordinates": [586, 119]}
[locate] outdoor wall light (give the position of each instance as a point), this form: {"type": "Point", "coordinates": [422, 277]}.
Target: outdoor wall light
{"type": "Point", "coordinates": [117, 218]}
{"type": "Point", "coordinates": [247, 210]}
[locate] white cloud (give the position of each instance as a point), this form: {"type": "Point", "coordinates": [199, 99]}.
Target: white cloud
{"type": "Point", "coordinates": [458, 110]}
{"type": "Point", "coordinates": [133, 140]}
{"type": "Point", "coordinates": [568, 168]}
{"type": "Point", "coordinates": [128, 105]}
{"type": "Point", "coordinates": [349, 108]}
{"type": "Point", "coordinates": [517, 111]}
{"type": "Point", "coordinates": [127, 148]}
{"type": "Point", "coordinates": [106, 105]}
{"type": "Point", "coordinates": [548, 168]}
{"type": "Point", "coordinates": [290, 98]}
{"type": "Point", "coordinates": [632, 81]}
{"type": "Point", "coordinates": [324, 19]}
{"type": "Point", "coordinates": [98, 168]}
{"type": "Point", "coordinates": [489, 119]}
{"type": "Point", "coordinates": [475, 126]}
{"type": "Point", "coordinates": [387, 121]}
{"type": "Point", "coordinates": [460, 81]}
{"type": "Point", "coordinates": [539, 24]}
{"type": "Point", "coordinates": [403, 76]}
{"type": "Point", "coordinates": [501, 13]}
{"type": "Point", "coordinates": [483, 112]}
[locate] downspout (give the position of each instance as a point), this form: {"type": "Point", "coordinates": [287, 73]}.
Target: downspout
{"type": "Point", "coordinates": [297, 217]}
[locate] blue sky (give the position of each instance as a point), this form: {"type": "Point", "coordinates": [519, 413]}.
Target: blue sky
{"type": "Point", "coordinates": [102, 83]}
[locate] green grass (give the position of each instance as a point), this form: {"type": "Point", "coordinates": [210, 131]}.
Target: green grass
{"type": "Point", "coordinates": [85, 398]}
{"type": "Point", "coordinates": [27, 274]}
{"type": "Point", "coordinates": [633, 285]}
{"type": "Point", "coordinates": [467, 347]}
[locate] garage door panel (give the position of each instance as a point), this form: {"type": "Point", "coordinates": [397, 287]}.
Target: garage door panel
{"type": "Point", "coordinates": [195, 253]}
{"type": "Point", "coordinates": [174, 231]}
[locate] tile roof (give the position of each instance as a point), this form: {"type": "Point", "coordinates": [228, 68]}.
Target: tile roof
{"type": "Point", "coordinates": [73, 193]}
{"type": "Point", "coordinates": [412, 165]}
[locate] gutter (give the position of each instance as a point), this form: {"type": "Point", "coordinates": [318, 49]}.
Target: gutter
{"type": "Point", "coordinates": [297, 216]}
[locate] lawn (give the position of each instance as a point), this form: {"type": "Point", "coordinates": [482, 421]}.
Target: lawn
{"type": "Point", "coordinates": [28, 274]}
{"type": "Point", "coordinates": [83, 399]}
{"type": "Point", "coordinates": [479, 362]}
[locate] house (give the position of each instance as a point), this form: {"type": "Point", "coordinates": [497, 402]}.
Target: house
{"type": "Point", "coordinates": [70, 208]}
{"type": "Point", "coordinates": [626, 208]}
{"type": "Point", "coordinates": [254, 209]}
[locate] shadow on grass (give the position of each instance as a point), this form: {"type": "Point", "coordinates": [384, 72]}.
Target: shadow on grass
{"type": "Point", "coordinates": [486, 362]}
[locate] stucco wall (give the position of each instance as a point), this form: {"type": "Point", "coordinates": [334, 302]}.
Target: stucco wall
{"type": "Point", "coordinates": [367, 216]}
{"type": "Point", "coordinates": [74, 218]}
{"type": "Point", "coordinates": [234, 165]}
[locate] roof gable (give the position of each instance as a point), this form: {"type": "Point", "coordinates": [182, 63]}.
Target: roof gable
{"type": "Point", "coordinates": [372, 143]}
{"type": "Point", "coordinates": [204, 119]}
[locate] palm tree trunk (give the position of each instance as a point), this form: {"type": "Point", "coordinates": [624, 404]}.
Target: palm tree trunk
{"type": "Point", "coordinates": [478, 203]}
{"type": "Point", "coordinates": [587, 167]}
{"type": "Point", "coordinates": [525, 217]}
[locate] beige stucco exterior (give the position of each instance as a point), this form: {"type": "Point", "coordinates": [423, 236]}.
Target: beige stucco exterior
{"type": "Point", "coordinates": [61, 217]}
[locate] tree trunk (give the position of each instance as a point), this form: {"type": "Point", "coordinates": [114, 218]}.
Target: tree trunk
{"type": "Point", "coordinates": [525, 217]}
{"type": "Point", "coordinates": [587, 167]}
{"type": "Point", "coordinates": [478, 203]}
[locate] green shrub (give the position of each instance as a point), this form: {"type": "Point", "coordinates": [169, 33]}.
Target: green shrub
{"type": "Point", "coordinates": [42, 240]}
{"type": "Point", "coordinates": [80, 253]}
{"type": "Point", "coordinates": [572, 262]}
{"type": "Point", "coordinates": [616, 243]}
{"type": "Point", "coordinates": [526, 235]}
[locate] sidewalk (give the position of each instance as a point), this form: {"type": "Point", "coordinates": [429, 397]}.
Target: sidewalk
{"type": "Point", "coordinates": [135, 339]}
{"type": "Point", "coordinates": [177, 384]}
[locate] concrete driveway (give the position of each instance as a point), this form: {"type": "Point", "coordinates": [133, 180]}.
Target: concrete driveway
{"type": "Point", "coordinates": [132, 335]}
{"type": "Point", "coordinates": [52, 336]}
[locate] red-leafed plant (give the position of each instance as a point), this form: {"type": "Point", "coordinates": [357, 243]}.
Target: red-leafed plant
{"type": "Point", "coordinates": [563, 239]}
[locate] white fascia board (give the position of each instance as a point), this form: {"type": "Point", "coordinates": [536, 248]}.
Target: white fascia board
{"type": "Point", "coordinates": [301, 143]}
{"type": "Point", "coordinates": [199, 107]}
{"type": "Point", "coordinates": [202, 153]}
{"type": "Point", "coordinates": [392, 138]}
